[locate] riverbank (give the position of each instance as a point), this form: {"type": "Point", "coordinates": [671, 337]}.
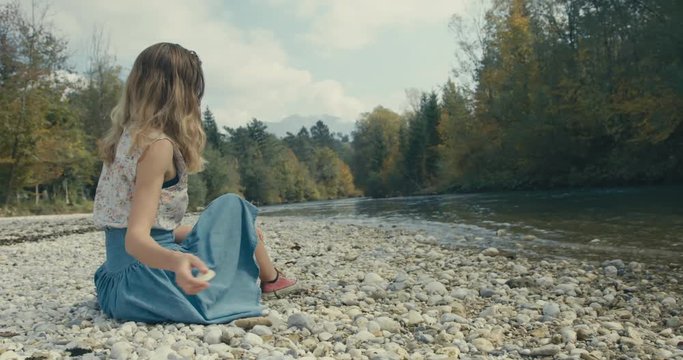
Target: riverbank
{"type": "Point", "coordinates": [373, 293]}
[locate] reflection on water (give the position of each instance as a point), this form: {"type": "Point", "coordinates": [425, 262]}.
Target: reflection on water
{"type": "Point", "coordinates": [644, 224]}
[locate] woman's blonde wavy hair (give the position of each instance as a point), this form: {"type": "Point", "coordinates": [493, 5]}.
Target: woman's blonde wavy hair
{"type": "Point", "coordinates": [162, 94]}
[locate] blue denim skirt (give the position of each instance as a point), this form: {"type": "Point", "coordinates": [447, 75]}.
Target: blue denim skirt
{"type": "Point", "coordinates": [224, 238]}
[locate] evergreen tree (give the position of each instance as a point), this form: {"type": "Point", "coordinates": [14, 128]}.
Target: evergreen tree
{"type": "Point", "coordinates": [213, 136]}
{"type": "Point", "coordinates": [321, 136]}
{"type": "Point", "coordinates": [431, 113]}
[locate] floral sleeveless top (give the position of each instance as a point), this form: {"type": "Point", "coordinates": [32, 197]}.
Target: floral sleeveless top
{"type": "Point", "coordinates": [114, 194]}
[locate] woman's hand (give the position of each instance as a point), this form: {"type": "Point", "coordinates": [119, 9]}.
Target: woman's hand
{"type": "Point", "coordinates": [183, 273]}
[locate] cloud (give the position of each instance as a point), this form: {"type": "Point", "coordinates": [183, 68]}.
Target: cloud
{"type": "Point", "coordinates": [247, 71]}
{"type": "Point", "coordinates": [353, 24]}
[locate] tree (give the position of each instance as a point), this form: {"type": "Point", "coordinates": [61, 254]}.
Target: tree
{"type": "Point", "coordinates": [332, 176]}
{"type": "Point", "coordinates": [376, 152]}
{"type": "Point", "coordinates": [462, 140]}
{"type": "Point", "coordinates": [255, 150]}
{"type": "Point", "coordinates": [301, 144]}
{"type": "Point", "coordinates": [196, 191]}
{"type": "Point", "coordinates": [321, 136]}
{"type": "Point", "coordinates": [31, 59]}
{"type": "Point", "coordinates": [94, 99]}
{"type": "Point", "coordinates": [294, 182]}
{"type": "Point", "coordinates": [213, 136]}
{"type": "Point", "coordinates": [220, 175]}
{"type": "Point", "coordinates": [102, 89]}
{"type": "Point", "coordinates": [421, 154]}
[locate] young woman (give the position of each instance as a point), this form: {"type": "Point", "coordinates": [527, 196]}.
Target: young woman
{"type": "Point", "coordinates": [153, 269]}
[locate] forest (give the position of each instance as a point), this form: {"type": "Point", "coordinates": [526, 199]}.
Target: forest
{"type": "Point", "coordinates": [544, 94]}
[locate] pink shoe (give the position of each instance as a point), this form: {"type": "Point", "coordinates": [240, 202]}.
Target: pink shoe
{"type": "Point", "coordinates": [279, 287]}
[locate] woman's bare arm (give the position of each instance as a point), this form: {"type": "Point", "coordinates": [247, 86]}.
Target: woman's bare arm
{"type": "Point", "coordinates": [180, 233]}
{"type": "Point", "coordinates": [148, 182]}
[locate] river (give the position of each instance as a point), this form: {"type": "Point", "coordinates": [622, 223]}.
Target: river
{"type": "Point", "coordinates": [643, 224]}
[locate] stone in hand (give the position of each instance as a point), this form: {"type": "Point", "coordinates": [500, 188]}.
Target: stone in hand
{"type": "Point", "coordinates": [206, 276]}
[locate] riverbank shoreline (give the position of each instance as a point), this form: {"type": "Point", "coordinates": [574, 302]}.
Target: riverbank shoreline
{"type": "Point", "coordinates": [371, 293]}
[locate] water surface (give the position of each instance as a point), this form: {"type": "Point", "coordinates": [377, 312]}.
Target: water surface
{"type": "Point", "coordinates": [643, 224]}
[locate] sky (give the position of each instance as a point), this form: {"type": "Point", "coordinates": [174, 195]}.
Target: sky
{"type": "Point", "coordinates": [269, 59]}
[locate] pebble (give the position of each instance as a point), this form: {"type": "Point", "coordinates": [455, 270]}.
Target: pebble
{"type": "Point", "coordinates": [568, 335]}
{"type": "Point", "coordinates": [373, 279]}
{"type": "Point", "coordinates": [483, 345]}
{"type": "Point", "coordinates": [9, 355]}
{"type": "Point", "coordinates": [222, 350]}
{"type": "Point", "coordinates": [388, 324]}
{"type": "Point", "coordinates": [121, 350]}
{"type": "Point", "coordinates": [395, 297]}
{"type": "Point", "coordinates": [325, 336]}
{"type": "Point", "coordinates": [490, 252]}
{"type": "Point", "coordinates": [213, 335]}
{"type": "Point", "coordinates": [253, 339]}
{"type": "Point", "coordinates": [612, 325]}
{"type": "Point", "coordinates": [461, 293]}
{"type": "Point", "coordinates": [611, 271]}
{"type": "Point", "coordinates": [301, 321]}
{"type": "Point", "coordinates": [363, 335]}
{"type": "Point", "coordinates": [414, 318]}
{"type": "Point", "coordinates": [668, 301]}
{"type": "Point", "coordinates": [261, 330]}
{"type": "Point", "coordinates": [163, 352]}
{"type": "Point", "coordinates": [435, 287]}
{"type": "Point", "coordinates": [673, 322]}
{"type": "Point", "coordinates": [486, 292]}
{"type": "Point", "coordinates": [551, 310]}
{"type": "Point", "coordinates": [547, 350]}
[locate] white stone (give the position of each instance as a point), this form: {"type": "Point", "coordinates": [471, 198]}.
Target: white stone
{"type": "Point", "coordinates": [373, 327]}
{"type": "Point", "coordinates": [546, 350]}
{"type": "Point", "coordinates": [324, 336]}
{"type": "Point", "coordinates": [461, 293]}
{"type": "Point", "coordinates": [523, 318]}
{"type": "Point", "coordinates": [568, 334]}
{"type": "Point", "coordinates": [261, 330]}
{"type": "Point", "coordinates": [127, 329]}
{"type": "Point", "coordinates": [435, 287]}
{"type": "Point", "coordinates": [372, 278]}
{"type": "Point", "coordinates": [162, 353]}
{"type": "Point", "coordinates": [213, 335]}
{"type": "Point", "coordinates": [221, 350]}
{"type": "Point", "coordinates": [669, 301]}
{"type": "Point", "coordinates": [490, 252]}
{"type": "Point", "coordinates": [451, 352]}
{"type": "Point", "coordinates": [413, 318]}
{"type": "Point", "coordinates": [363, 335]}
{"type": "Point", "coordinates": [551, 310]}
{"type": "Point", "coordinates": [612, 325]}
{"type": "Point", "coordinates": [483, 345]}
{"type": "Point", "coordinates": [545, 281]}
{"type": "Point", "coordinates": [186, 351]}
{"type": "Point", "coordinates": [349, 298]}
{"type": "Point", "coordinates": [9, 355]}
{"type": "Point", "coordinates": [388, 324]}
{"type": "Point", "coordinates": [253, 339]}
{"type": "Point", "coordinates": [121, 350]}
{"type": "Point", "coordinates": [301, 321]}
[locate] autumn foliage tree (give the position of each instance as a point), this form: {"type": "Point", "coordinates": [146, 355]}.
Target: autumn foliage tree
{"type": "Point", "coordinates": [565, 93]}
{"type": "Point", "coordinates": [41, 141]}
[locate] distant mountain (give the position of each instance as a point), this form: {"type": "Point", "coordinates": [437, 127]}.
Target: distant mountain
{"type": "Point", "coordinates": [293, 124]}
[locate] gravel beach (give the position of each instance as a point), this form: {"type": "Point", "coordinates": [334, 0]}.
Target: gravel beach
{"type": "Point", "coordinates": [371, 293]}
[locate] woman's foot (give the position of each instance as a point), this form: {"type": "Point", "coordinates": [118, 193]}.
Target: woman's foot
{"type": "Point", "coordinates": [279, 287]}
